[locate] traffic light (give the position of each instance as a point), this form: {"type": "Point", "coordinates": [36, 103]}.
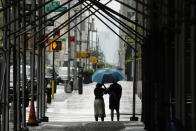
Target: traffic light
{"type": "Point", "coordinates": [87, 55]}
{"type": "Point", "coordinates": [56, 45]}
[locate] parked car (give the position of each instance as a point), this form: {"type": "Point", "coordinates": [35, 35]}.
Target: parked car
{"type": "Point", "coordinates": [49, 75]}
{"type": "Point", "coordinates": [28, 82]}
{"type": "Point", "coordinates": [11, 89]}
{"type": "Point", "coordinates": [63, 74]}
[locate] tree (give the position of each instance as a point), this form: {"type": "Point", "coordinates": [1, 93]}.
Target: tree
{"type": "Point", "coordinates": [131, 42]}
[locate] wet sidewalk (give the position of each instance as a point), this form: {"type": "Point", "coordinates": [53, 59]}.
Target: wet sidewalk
{"type": "Point", "coordinates": [74, 112]}
{"type": "Point", "coordinates": [90, 126]}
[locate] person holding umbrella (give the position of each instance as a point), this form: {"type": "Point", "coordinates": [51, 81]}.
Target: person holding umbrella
{"type": "Point", "coordinates": [115, 92]}
{"type": "Point", "coordinates": [111, 75]}
{"type": "Point", "coordinates": [99, 105]}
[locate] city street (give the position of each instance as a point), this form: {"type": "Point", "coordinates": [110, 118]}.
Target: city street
{"type": "Point", "coordinates": [71, 111]}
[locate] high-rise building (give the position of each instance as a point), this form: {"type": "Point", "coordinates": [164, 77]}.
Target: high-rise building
{"type": "Point", "coordinates": [125, 51]}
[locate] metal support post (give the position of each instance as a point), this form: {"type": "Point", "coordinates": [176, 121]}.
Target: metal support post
{"type": "Point", "coordinates": [80, 44]}
{"type": "Point", "coordinates": [14, 70]}
{"type": "Point", "coordinates": [143, 32]}
{"type": "Point", "coordinates": [92, 42]}
{"type": "Point", "coordinates": [75, 84]}
{"type": "Point", "coordinates": [7, 58]}
{"type": "Point", "coordinates": [41, 36]}
{"type": "Point", "coordinates": [3, 92]}
{"type": "Point", "coordinates": [24, 78]}
{"type": "Point", "coordinates": [17, 11]}
{"type": "Point", "coordinates": [32, 118]}
{"type": "Point", "coordinates": [134, 118]}
{"type": "Point", "coordinates": [193, 62]}
{"type": "Point", "coordinates": [97, 48]}
{"type": "Point", "coordinates": [39, 82]}
{"type": "Point", "coordinates": [6, 72]}
{"type": "Point", "coordinates": [80, 72]}
{"type": "Point", "coordinates": [69, 47]}
{"type": "Point", "coordinates": [2, 88]}
{"type": "Point", "coordinates": [44, 117]}
{"type": "Point", "coordinates": [44, 104]}
{"type": "Point", "coordinates": [38, 86]}
{"type": "Point", "coordinates": [88, 42]}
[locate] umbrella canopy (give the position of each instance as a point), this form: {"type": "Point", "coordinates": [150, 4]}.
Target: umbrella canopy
{"type": "Point", "coordinates": [107, 75]}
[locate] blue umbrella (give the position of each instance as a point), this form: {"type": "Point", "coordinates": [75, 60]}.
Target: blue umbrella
{"type": "Point", "coordinates": [107, 75]}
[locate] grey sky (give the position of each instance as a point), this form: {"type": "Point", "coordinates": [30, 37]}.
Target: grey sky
{"type": "Point", "coordinates": [109, 42]}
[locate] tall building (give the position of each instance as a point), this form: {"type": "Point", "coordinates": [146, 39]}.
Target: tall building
{"type": "Point", "coordinates": [125, 51]}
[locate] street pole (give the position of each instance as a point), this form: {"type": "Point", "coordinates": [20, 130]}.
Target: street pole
{"type": "Point", "coordinates": [97, 49]}
{"type": "Point", "coordinates": [80, 85]}
{"type": "Point", "coordinates": [24, 93]}
{"type": "Point", "coordinates": [69, 49]}
{"type": "Point", "coordinates": [91, 48]}
{"type": "Point", "coordinates": [75, 57]}
{"type": "Point", "coordinates": [88, 41]}
{"type": "Point", "coordinates": [80, 60]}
{"type": "Point", "coordinates": [53, 84]}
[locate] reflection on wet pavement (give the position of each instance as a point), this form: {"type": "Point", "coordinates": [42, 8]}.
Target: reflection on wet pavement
{"type": "Point", "coordinates": [74, 107]}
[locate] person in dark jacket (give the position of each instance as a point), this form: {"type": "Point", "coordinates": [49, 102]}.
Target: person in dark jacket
{"type": "Point", "coordinates": [115, 92]}
{"type": "Point", "coordinates": [99, 105]}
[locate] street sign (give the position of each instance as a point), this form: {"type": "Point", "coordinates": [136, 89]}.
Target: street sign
{"type": "Point", "coordinates": [85, 41]}
{"type": "Point", "coordinates": [94, 30]}
{"type": "Point", "coordinates": [63, 39]}
{"type": "Point", "coordinates": [61, 9]}
{"type": "Point", "coordinates": [54, 4]}
{"type": "Point", "coordinates": [82, 54]}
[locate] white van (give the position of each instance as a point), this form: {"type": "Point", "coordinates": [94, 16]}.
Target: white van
{"type": "Point", "coordinates": [63, 73]}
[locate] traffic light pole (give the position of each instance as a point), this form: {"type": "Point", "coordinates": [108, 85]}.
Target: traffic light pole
{"type": "Point", "coordinates": [53, 79]}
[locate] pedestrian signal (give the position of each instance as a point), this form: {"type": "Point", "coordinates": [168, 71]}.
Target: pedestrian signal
{"type": "Point", "coordinates": [57, 45]}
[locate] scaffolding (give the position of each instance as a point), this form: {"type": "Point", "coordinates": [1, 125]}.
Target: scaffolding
{"type": "Point", "coordinates": [167, 42]}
